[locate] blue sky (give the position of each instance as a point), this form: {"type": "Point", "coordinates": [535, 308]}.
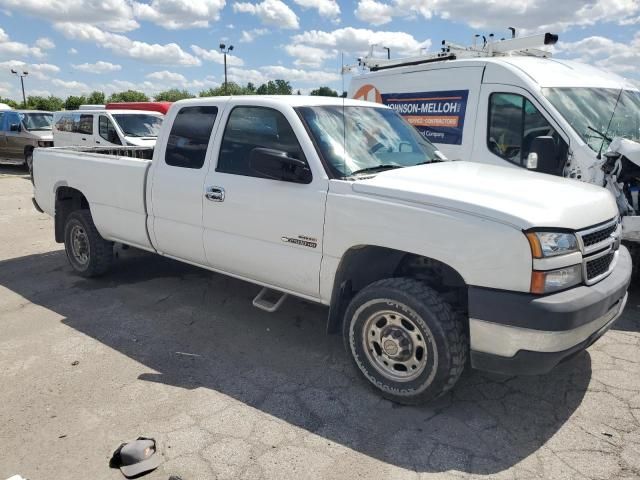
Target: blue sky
{"type": "Point", "coordinates": [75, 46]}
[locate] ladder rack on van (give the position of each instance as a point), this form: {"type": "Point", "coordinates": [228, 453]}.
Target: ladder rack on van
{"type": "Point", "coordinates": [525, 46]}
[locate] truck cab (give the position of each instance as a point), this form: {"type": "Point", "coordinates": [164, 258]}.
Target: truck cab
{"type": "Point", "coordinates": [506, 103]}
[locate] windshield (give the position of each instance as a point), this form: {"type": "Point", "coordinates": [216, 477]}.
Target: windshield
{"type": "Point", "coordinates": [139, 125]}
{"type": "Point", "coordinates": [590, 109]}
{"type": "Point", "coordinates": [359, 140]}
{"type": "Point", "coordinates": [37, 121]}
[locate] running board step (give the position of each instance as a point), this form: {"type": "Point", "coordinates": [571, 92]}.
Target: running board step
{"type": "Point", "coordinates": [269, 300]}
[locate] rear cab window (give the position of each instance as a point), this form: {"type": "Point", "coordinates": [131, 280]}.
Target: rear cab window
{"type": "Point", "coordinates": [189, 136]}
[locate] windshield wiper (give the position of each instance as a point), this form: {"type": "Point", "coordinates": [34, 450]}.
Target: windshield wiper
{"type": "Point", "coordinates": [377, 168]}
{"type": "Point", "coordinates": [602, 135]}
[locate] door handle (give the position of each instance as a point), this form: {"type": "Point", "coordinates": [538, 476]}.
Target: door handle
{"type": "Point", "coordinates": [215, 194]}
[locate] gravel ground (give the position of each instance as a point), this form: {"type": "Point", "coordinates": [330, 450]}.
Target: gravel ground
{"type": "Point", "coordinates": [162, 349]}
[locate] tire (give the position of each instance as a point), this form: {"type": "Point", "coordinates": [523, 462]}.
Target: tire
{"type": "Point", "coordinates": [89, 254]}
{"type": "Point", "coordinates": [419, 336]}
{"type": "Point", "coordinates": [28, 162]}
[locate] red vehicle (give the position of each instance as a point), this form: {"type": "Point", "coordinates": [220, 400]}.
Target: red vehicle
{"type": "Point", "coordinates": [162, 107]}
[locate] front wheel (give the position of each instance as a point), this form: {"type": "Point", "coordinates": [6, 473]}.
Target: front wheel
{"type": "Point", "coordinates": [405, 340]}
{"type": "Point", "coordinates": [88, 253]}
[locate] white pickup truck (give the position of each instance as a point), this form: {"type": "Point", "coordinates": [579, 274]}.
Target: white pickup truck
{"type": "Point", "coordinates": [425, 264]}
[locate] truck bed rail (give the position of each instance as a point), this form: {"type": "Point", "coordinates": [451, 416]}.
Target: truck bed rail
{"type": "Point", "coordinates": [143, 153]}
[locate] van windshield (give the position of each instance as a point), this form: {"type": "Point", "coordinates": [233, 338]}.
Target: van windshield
{"type": "Point", "coordinates": [37, 120]}
{"type": "Point", "coordinates": [139, 125]}
{"type": "Point", "coordinates": [356, 141]}
{"type": "Point", "coordinates": [589, 110]}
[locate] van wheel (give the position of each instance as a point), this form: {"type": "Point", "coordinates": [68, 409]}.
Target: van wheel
{"type": "Point", "coordinates": [89, 254]}
{"type": "Point", "coordinates": [405, 340]}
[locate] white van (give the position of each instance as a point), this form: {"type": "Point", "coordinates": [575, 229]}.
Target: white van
{"type": "Point", "coordinates": [505, 103]}
{"type": "Point", "coordinates": [105, 127]}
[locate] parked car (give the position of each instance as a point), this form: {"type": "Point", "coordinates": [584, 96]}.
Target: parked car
{"type": "Point", "coordinates": [505, 103]}
{"type": "Point", "coordinates": [21, 131]}
{"type": "Point", "coordinates": [106, 127]}
{"type": "Point", "coordinates": [422, 262]}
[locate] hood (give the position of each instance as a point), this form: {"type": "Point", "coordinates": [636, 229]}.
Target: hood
{"type": "Point", "coordinates": [42, 134]}
{"type": "Point", "coordinates": [509, 195]}
{"type": "Point", "coordinates": [628, 148]}
{"type": "Point", "coordinates": [141, 142]}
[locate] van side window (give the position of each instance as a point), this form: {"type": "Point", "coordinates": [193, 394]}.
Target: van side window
{"type": "Point", "coordinates": [514, 122]}
{"type": "Point", "coordinates": [85, 124]}
{"type": "Point", "coordinates": [253, 127]}
{"type": "Point", "coordinates": [107, 131]}
{"type": "Point", "coordinates": [64, 123]}
{"type": "Point", "coordinates": [189, 137]}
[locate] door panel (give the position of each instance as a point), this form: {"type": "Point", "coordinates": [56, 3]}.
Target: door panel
{"type": "Point", "coordinates": [264, 229]}
{"type": "Point", "coordinates": [178, 184]}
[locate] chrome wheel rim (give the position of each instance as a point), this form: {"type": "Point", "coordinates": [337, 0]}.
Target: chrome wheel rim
{"type": "Point", "coordinates": [79, 244]}
{"type": "Point", "coordinates": [395, 346]}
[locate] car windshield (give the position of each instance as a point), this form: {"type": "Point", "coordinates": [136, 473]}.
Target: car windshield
{"type": "Point", "coordinates": [139, 125]}
{"type": "Point", "coordinates": [363, 140]}
{"type": "Point", "coordinates": [37, 120]}
{"type": "Point", "coordinates": [594, 112]}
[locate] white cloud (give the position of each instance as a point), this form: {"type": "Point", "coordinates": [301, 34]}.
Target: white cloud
{"type": "Point", "coordinates": [309, 56]}
{"type": "Point", "coordinates": [323, 45]}
{"type": "Point", "coordinates": [72, 51]}
{"type": "Point", "coordinates": [9, 48]}
{"type": "Point", "coordinates": [249, 36]}
{"type": "Point", "coordinates": [528, 15]}
{"type": "Point", "coordinates": [272, 72]}
{"type": "Point", "coordinates": [113, 15]}
{"type": "Point", "coordinates": [373, 12]}
{"type": "Point", "coordinates": [98, 67]}
{"type": "Point", "coordinates": [326, 8]}
{"type": "Point", "coordinates": [40, 71]}
{"type": "Point", "coordinates": [215, 56]}
{"type": "Point", "coordinates": [71, 85]}
{"type": "Point", "coordinates": [45, 43]}
{"type": "Point", "coordinates": [270, 12]}
{"type": "Point", "coordinates": [622, 58]}
{"type": "Point", "coordinates": [178, 14]}
{"type": "Point", "coordinates": [168, 54]}
{"type": "Point", "coordinates": [168, 77]}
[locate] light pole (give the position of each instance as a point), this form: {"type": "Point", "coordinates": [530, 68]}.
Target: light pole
{"type": "Point", "coordinates": [21, 75]}
{"type": "Point", "coordinates": [225, 50]}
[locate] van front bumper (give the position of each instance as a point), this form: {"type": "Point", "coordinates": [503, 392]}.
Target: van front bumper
{"type": "Point", "coordinates": [522, 334]}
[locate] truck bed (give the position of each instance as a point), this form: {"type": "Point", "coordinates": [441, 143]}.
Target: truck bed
{"type": "Point", "coordinates": [113, 181]}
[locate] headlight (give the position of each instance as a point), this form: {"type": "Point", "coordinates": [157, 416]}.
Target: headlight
{"type": "Point", "coordinates": [45, 143]}
{"type": "Point", "coordinates": [550, 244]}
{"type": "Point", "coordinates": [554, 280]}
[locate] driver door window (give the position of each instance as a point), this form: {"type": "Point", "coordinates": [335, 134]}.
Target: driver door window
{"type": "Point", "coordinates": [514, 122]}
{"type": "Point", "coordinates": [107, 131]}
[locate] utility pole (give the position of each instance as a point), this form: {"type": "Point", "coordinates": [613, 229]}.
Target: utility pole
{"type": "Point", "coordinates": [21, 75]}
{"type": "Point", "coordinates": [225, 50]}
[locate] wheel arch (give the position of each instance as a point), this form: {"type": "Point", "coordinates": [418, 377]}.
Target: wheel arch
{"type": "Point", "coordinates": [67, 200]}
{"type": "Point", "coordinates": [364, 264]}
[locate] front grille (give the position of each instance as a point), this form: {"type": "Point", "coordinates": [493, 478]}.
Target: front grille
{"type": "Point", "coordinates": [599, 265]}
{"type": "Point", "coordinates": [598, 236]}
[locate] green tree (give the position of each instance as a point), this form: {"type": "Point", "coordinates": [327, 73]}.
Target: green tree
{"type": "Point", "coordinates": [275, 87]}
{"type": "Point", "coordinates": [324, 92]}
{"type": "Point", "coordinates": [96, 98]}
{"type": "Point", "coordinates": [128, 96]}
{"type": "Point", "coordinates": [73, 102]}
{"type": "Point", "coordinates": [232, 89]}
{"type": "Point", "coordinates": [11, 103]}
{"type": "Point", "coordinates": [50, 103]}
{"type": "Point", "coordinates": [172, 95]}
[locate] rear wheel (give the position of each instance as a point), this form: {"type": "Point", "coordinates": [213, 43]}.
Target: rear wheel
{"type": "Point", "coordinates": [405, 340]}
{"type": "Point", "coordinates": [88, 253]}
{"type": "Point", "coordinates": [28, 161]}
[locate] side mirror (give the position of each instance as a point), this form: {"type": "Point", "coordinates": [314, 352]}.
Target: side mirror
{"type": "Point", "coordinates": [543, 156]}
{"type": "Point", "coordinates": [278, 165]}
{"type": "Point", "coordinates": [15, 127]}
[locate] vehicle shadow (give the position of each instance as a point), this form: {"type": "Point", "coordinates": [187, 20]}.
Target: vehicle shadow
{"type": "Point", "coordinates": [14, 170]}
{"type": "Point", "coordinates": [283, 364]}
